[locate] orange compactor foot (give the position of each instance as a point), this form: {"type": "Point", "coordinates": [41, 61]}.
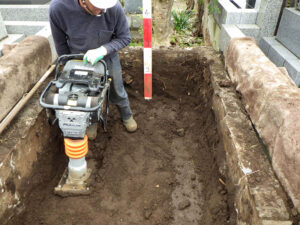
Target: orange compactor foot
{"type": "Point", "coordinates": [75, 178]}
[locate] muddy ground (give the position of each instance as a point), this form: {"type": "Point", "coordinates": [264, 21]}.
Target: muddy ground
{"type": "Point", "coordinates": [163, 174]}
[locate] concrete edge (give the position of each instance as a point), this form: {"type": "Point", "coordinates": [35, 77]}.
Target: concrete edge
{"type": "Point", "coordinates": [24, 27]}
{"type": "Point", "coordinates": [228, 31]}
{"type": "Point", "coordinates": [25, 12]}
{"type": "Point", "coordinates": [230, 14]}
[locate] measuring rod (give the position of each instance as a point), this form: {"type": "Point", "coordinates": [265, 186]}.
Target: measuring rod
{"type": "Point", "coordinates": [147, 33]}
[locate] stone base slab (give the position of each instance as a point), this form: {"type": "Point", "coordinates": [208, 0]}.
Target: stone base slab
{"type": "Point", "coordinates": [289, 30]}
{"type": "Point", "coordinates": [272, 101]}
{"type": "Point", "coordinates": [259, 198]}
{"type": "Point", "coordinates": [281, 56]}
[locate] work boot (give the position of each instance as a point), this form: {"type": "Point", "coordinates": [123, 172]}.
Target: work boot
{"type": "Point", "coordinates": [91, 131]}
{"type": "Point", "coordinates": [130, 124]}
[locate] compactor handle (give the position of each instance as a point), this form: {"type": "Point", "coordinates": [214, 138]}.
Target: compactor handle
{"type": "Point", "coordinates": [64, 58]}
{"type": "Point", "coordinates": [69, 57]}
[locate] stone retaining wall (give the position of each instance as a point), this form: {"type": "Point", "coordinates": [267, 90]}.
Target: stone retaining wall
{"type": "Point", "coordinates": [259, 199]}
{"type": "Point", "coordinates": [273, 102]}
{"type": "Point", "coordinates": [20, 69]}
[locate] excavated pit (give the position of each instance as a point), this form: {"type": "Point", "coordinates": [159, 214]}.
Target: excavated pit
{"type": "Point", "coordinates": [165, 173]}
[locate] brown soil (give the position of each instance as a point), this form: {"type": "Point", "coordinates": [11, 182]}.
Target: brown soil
{"type": "Point", "coordinates": [163, 174]}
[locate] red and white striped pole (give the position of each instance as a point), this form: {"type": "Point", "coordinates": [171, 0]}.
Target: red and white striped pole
{"type": "Point", "coordinates": [147, 31]}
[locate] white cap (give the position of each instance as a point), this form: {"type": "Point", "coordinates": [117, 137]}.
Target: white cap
{"type": "Point", "coordinates": [103, 4]}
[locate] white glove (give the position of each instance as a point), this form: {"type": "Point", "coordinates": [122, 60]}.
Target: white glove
{"type": "Point", "coordinates": [94, 55]}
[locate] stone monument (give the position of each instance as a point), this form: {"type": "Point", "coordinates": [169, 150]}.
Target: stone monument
{"type": "Point", "coordinates": [289, 30]}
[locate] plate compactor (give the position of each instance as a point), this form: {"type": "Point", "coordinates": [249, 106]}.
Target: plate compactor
{"type": "Point", "coordinates": [78, 97]}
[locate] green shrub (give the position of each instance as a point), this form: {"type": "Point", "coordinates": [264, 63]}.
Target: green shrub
{"type": "Point", "coordinates": [181, 20]}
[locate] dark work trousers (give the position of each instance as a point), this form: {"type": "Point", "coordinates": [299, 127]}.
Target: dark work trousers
{"type": "Point", "coordinates": [118, 94]}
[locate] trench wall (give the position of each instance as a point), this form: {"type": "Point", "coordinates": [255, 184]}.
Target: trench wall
{"type": "Point", "coordinates": [273, 103]}
{"type": "Point", "coordinates": [29, 135]}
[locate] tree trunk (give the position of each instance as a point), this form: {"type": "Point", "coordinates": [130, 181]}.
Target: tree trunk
{"type": "Point", "coordinates": [190, 4]}
{"type": "Point", "coordinates": [204, 17]}
{"type": "Point", "coordinates": [200, 13]}
{"type": "Point", "coordinates": [161, 23]}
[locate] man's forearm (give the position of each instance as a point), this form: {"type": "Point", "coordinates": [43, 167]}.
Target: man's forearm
{"type": "Point", "coordinates": [116, 44]}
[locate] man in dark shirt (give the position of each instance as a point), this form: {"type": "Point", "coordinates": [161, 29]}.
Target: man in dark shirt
{"type": "Point", "coordinates": [99, 29]}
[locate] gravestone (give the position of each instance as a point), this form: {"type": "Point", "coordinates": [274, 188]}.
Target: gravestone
{"type": "Point", "coordinates": [133, 6]}
{"type": "Point", "coordinates": [289, 30]}
{"type": "Point", "coordinates": [268, 15]}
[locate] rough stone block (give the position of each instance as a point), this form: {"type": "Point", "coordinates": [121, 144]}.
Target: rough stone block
{"type": "Point", "coordinates": [12, 38]}
{"type": "Point", "coordinates": [273, 102]}
{"type": "Point", "coordinates": [289, 29]}
{"type": "Point", "coordinates": [21, 69]}
{"type": "Point", "coordinates": [283, 70]}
